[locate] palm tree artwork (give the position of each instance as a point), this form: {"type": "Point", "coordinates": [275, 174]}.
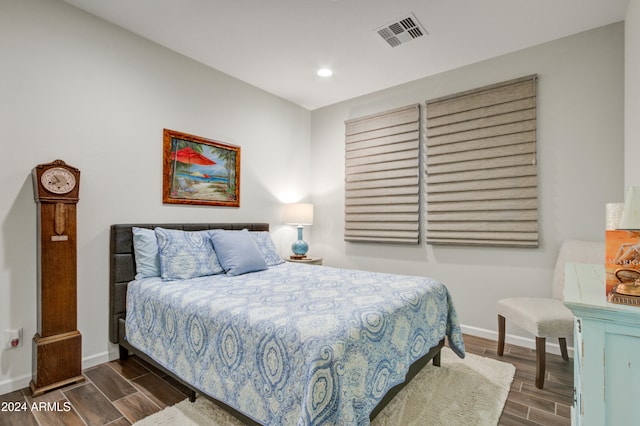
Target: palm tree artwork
{"type": "Point", "coordinates": [202, 171]}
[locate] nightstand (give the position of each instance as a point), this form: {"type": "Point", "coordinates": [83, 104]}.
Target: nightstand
{"type": "Point", "coordinates": [309, 260]}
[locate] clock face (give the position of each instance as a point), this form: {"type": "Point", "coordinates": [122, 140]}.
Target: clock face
{"type": "Point", "coordinates": [58, 180]}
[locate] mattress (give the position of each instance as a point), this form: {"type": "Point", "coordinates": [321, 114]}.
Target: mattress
{"type": "Point", "coordinates": [293, 344]}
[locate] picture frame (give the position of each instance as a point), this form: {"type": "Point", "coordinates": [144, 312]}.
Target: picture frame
{"type": "Point", "coordinates": [199, 171]}
{"type": "Point", "coordinates": [622, 266]}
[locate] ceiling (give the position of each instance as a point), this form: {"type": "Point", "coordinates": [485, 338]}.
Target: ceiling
{"type": "Point", "coordinates": [278, 45]}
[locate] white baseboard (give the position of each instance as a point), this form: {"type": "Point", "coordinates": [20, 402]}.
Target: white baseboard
{"type": "Point", "coordinates": [526, 342]}
{"type": "Point", "coordinates": [22, 381]}
{"type": "Point", "coordinates": [15, 384]}
{"type": "Point", "coordinates": [93, 360]}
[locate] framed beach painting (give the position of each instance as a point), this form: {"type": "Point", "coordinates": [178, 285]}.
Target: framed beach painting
{"type": "Point", "coordinates": [200, 171]}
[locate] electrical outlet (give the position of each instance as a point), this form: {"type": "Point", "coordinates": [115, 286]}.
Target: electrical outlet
{"type": "Point", "coordinates": [13, 338]}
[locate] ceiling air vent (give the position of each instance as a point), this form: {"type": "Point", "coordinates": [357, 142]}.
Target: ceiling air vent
{"type": "Point", "coordinates": [401, 31]}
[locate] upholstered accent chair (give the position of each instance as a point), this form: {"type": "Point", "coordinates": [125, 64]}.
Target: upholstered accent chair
{"type": "Point", "coordinates": [548, 317]}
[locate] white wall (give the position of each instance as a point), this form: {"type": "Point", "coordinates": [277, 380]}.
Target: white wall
{"type": "Point", "coordinates": [76, 88]}
{"type": "Point", "coordinates": [632, 95]}
{"type": "Point", "coordinates": [580, 157]}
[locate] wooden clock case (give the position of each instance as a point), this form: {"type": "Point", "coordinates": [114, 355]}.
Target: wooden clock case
{"type": "Point", "coordinates": [57, 345]}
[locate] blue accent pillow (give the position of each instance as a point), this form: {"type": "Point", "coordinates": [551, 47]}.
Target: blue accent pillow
{"type": "Point", "coordinates": [237, 252]}
{"type": "Point", "coordinates": [145, 251]}
{"type": "Point", "coordinates": [267, 248]}
{"type": "Point", "coordinates": [186, 254]}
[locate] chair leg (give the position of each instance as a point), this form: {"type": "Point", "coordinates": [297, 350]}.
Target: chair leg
{"type": "Point", "coordinates": [541, 352]}
{"type": "Point", "coordinates": [501, 332]}
{"type": "Point", "coordinates": [563, 348]}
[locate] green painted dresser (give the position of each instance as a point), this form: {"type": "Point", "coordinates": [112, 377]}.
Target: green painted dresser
{"type": "Point", "coordinates": [606, 351]}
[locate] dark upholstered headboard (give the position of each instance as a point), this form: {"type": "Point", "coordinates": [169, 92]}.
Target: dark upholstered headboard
{"type": "Point", "coordinates": [122, 267]}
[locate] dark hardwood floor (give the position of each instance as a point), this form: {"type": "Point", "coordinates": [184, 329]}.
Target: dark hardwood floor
{"type": "Point", "coordinates": [122, 392]}
{"type": "Point", "coordinates": [526, 404]}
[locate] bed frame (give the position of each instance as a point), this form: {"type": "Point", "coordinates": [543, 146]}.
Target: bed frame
{"type": "Point", "coordinates": [122, 271]}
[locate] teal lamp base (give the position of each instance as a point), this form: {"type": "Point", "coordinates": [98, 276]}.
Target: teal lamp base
{"type": "Point", "coordinates": [299, 247]}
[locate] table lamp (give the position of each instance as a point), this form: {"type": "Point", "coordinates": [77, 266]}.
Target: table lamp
{"type": "Point", "coordinates": [630, 218]}
{"type": "Point", "coordinates": [299, 214]}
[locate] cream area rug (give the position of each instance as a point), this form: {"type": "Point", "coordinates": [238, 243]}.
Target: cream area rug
{"type": "Point", "coordinates": [470, 391]}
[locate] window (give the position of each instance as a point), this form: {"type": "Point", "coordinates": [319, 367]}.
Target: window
{"type": "Point", "coordinates": [481, 178]}
{"type": "Point", "coordinates": [382, 177]}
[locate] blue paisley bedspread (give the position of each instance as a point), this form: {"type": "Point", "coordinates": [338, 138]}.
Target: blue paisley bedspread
{"type": "Point", "coordinates": [294, 344]}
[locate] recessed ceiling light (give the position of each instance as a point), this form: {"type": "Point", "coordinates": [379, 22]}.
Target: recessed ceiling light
{"type": "Point", "coordinates": [325, 72]}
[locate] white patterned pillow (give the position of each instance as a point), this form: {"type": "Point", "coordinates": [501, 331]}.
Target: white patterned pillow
{"type": "Point", "coordinates": [267, 248]}
{"type": "Point", "coordinates": [185, 254]}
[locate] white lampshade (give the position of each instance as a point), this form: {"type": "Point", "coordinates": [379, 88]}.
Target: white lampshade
{"type": "Point", "coordinates": [298, 214]}
{"type": "Point", "coordinates": [614, 214]}
{"type": "Point", "coordinates": [631, 212]}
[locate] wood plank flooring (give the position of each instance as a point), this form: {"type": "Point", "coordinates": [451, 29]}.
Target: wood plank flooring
{"type": "Point", "coordinates": [120, 393]}
{"type": "Point", "coordinates": [526, 404]}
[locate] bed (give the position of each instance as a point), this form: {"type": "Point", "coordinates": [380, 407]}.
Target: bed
{"type": "Point", "coordinates": [286, 344]}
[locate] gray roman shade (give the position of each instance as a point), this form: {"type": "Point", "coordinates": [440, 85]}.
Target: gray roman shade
{"type": "Point", "coordinates": [382, 177]}
{"type": "Point", "coordinates": [481, 166]}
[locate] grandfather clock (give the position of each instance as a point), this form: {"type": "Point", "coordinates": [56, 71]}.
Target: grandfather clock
{"type": "Point", "coordinates": [57, 345]}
